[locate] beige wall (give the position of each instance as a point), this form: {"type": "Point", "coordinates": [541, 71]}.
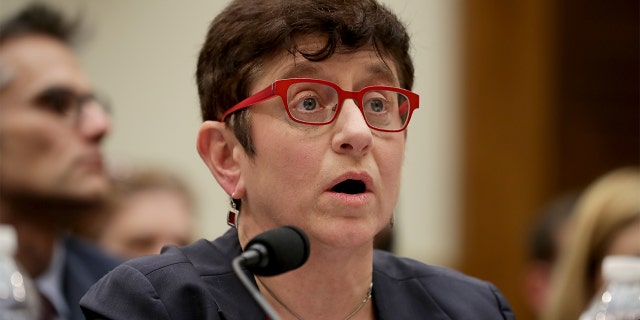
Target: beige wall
{"type": "Point", "coordinates": [142, 53]}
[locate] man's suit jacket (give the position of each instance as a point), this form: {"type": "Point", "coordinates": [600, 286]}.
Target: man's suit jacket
{"type": "Point", "coordinates": [198, 282]}
{"type": "Point", "coordinates": [84, 265]}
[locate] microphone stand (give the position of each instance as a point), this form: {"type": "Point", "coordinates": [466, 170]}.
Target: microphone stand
{"type": "Point", "coordinates": [264, 304]}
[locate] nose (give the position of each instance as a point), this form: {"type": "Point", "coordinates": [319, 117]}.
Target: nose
{"type": "Point", "coordinates": [353, 135]}
{"type": "Point", "coordinates": [93, 122]}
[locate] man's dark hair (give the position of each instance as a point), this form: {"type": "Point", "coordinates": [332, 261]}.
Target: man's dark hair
{"type": "Point", "coordinates": [38, 18]}
{"type": "Point", "coordinates": [248, 33]}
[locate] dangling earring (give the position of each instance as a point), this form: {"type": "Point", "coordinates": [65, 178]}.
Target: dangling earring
{"type": "Point", "coordinates": [392, 221]}
{"type": "Point", "coordinates": [234, 212]}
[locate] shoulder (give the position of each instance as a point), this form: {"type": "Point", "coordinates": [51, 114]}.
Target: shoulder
{"type": "Point", "coordinates": [155, 274]}
{"type": "Point", "coordinates": [170, 260]}
{"type": "Point", "coordinates": [436, 289]}
{"type": "Point", "coordinates": [404, 269]}
{"type": "Point", "coordinates": [184, 265]}
{"type": "Point", "coordinates": [168, 285]}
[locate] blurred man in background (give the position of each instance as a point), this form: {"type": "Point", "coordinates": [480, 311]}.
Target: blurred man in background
{"type": "Point", "coordinates": [51, 164]}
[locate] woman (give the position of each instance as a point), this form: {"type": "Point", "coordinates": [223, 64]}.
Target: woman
{"type": "Point", "coordinates": [305, 106]}
{"type": "Point", "coordinates": [606, 222]}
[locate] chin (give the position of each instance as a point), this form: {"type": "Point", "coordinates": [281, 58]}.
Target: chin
{"type": "Point", "coordinates": [95, 190]}
{"type": "Point", "coordinates": [348, 235]}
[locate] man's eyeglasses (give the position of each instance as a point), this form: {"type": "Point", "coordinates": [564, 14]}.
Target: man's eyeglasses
{"type": "Point", "coordinates": [69, 104]}
{"type": "Point", "coordinates": [318, 102]}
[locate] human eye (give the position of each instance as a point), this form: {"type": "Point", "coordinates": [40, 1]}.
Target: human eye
{"type": "Point", "coordinates": [376, 105]}
{"type": "Point", "coordinates": [381, 109]}
{"type": "Point", "coordinates": [307, 104]}
{"type": "Point", "coordinates": [59, 100]}
{"type": "Point", "coordinates": [378, 102]}
{"type": "Point", "coordinates": [311, 102]}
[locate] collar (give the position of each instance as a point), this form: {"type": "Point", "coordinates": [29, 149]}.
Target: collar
{"type": "Point", "coordinates": [50, 282]}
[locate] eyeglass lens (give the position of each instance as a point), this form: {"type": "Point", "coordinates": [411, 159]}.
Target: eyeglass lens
{"type": "Point", "coordinates": [67, 103]}
{"type": "Point", "coordinates": [318, 103]}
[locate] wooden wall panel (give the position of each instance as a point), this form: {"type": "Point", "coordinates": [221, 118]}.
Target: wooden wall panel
{"type": "Point", "coordinates": [550, 103]}
{"type": "Point", "coordinates": [507, 125]}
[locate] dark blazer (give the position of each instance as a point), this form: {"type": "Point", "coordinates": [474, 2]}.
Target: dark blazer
{"type": "Point", "coordinates": [198, 282]}
{"type": "Point", "coordinates": [84, 265]}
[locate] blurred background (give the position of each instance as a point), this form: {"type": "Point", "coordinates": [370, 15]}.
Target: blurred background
{"type": "Point", "coordinates": [522, 101]}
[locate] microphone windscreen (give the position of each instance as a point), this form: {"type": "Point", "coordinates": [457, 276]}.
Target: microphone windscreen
{"type": "Point", "coordinates": [287, 249]}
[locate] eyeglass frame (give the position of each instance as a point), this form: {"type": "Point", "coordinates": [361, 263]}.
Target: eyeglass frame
{"type": "Point", "coordinates": [280, 87]}
{"type": "Point", "coordinates": [78, 103]}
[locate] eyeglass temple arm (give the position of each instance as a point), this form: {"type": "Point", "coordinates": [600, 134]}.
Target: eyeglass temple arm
{"type": "Point", "coordinates": [403, 107]}
{"type": "Point", "coordinates": [263, 95]}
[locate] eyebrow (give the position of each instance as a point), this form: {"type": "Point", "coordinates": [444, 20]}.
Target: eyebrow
{"type": "Point", "coordinates": [66, 88]}
{"type": "Point", "coordinates": [376, 71]}
{"type": "Point", "coordinates": [382, 71]}
{"type": "Point", "coordinates": [302, 70]}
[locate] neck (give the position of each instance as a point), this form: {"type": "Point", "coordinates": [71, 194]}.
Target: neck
{"type": "Point", "coordinates": [324, 288]}
{"type": "Point", "coordinates": [36, 234]}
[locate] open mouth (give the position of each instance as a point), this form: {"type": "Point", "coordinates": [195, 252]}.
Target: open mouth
{"type": "Point", "coordinates": [350, 187]}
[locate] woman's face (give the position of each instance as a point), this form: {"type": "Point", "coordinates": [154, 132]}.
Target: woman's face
{"type": "Point", "coordinates": [627, 241]}
{"type": "Point", "coordinates": [339, 182]}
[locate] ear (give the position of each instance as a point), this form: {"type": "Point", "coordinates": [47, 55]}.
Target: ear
{"type": "Point", "coordinates": [220, 151]}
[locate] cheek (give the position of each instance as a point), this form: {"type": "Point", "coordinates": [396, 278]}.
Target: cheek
{"type": "Point", "coordinates": [24, 141]}
{"type": "Point", "coordinates": [627, 241]}
{"type": "Point", "coordinates": [285, 164]}
{"type": "Point", "coordinates": [300, 163]}
{"type": "Point", "coordinates": [289, 155]}
{"type": "Point", "coordinates": [37, 145]}
{"type": "Point", "coordinates": [389, 157]}
{"type": "Point", "coordinates": [389, 161]}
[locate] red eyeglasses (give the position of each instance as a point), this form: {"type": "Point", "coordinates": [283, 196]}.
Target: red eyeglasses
{"type": "Point", "coordinates": [318, 102]}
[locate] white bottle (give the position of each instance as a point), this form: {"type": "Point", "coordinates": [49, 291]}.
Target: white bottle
{"type": "Point", "coordinates": [620, 300]}
{"type": "Point", "coordinates": [19, 299]}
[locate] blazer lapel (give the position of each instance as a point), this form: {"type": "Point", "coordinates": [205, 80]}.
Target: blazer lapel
{"type": "Point", "coordinates": [213, 262]}
{"type": "Point", "coordinates": [396, 299]}
{"type": "Point", "coordinates": [233, 299]}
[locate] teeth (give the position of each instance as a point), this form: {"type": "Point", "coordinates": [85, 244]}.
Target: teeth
{"type": "Point", "coordinates": [350, 187]}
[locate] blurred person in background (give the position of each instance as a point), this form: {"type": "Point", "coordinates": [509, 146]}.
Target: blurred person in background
{"type": "Point", "coordinates": [606, 222]}
{"type": "Point", "coordinates": [546, 240]}
{"type": "Point", "coordinates": [51, 164]}
{"type": "Point", "coordinates": [148, 209]}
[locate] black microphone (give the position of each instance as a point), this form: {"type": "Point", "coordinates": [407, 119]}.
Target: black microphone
{"type": "Point", "coordinates": [271, 253]}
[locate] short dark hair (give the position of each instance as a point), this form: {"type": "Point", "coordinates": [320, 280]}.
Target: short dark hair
{"type": "Point", "coordinates": [247, 33]}
{"type": "Point", "coordinates": [38, 18]}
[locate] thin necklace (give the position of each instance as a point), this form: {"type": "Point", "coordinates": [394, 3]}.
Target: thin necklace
{"type": "Point", "coordinates": [364, 301]}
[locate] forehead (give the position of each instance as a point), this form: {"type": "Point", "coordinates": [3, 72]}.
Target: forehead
{"type": "Point", "coordinates": [363, 61]}
{"type": "Point", "coordinates": [34, 62]}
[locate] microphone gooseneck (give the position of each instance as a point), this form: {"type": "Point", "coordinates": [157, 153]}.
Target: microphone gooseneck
{"type": "Point", "coordinates": [271, 253]}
